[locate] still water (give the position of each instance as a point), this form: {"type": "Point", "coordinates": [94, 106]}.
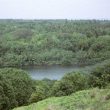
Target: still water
{"type": "Point", "coordinates": [50, 72]}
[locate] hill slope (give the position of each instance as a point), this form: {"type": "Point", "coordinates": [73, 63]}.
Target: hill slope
{"type": "Point", "coordinates": [94, 99]}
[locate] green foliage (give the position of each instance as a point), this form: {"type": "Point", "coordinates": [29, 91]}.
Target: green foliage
{"type": "Point", "coordinates": [49, 42]}
{"type": "Point", "coordinates": [16, 87]}
{"type": "Point", "coordinates": [70, 83]}
{"type": "Point", "coordinates": [22, 33]}
{"type": "Point", "coordinates": [7, 95]}
{"type": "Point", "coordinates": [43, 88]}
{"type": "Point", "coordinates": [100, 76]}
{"type": "Point", "coordinates": [93, 99]}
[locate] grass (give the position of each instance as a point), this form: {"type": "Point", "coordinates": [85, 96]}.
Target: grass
{"type": "Point", "coordinates": [94, 99]}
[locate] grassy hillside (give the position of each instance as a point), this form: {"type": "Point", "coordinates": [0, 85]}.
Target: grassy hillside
{"type": "Point", "coordinates": [94, 99]}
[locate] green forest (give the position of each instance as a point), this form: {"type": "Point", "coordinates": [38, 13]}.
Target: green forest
{"type": "Point", "coordinates": [76, 43]}
{"type": "Point", "coordinates": [53, 42]}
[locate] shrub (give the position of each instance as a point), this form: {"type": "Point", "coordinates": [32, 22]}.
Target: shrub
{"type": "Point", "coordinates": [7, 95]}
{"type": "Point", "coordinates": [70, 83]}
{"type": "Point", "coordinates": [100, 76]}
{"type": "Point", "coordinates": [21, 84]}
{"type": "Point", "coordinates": [43, 88]}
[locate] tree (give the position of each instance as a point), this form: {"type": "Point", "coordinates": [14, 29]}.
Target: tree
{"type": "Point", "coordinates": [21, 83]}
{"type": "Point", "coordinates": [100, 76]}
{"type": "Point", "coordinates": [7, 94]}
{"type": "Point", "coordinates": [70, 83]}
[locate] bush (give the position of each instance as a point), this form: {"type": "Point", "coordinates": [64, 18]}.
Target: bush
{"type": "Point", "coordinates": [43, 88]}
{"type": "Point", "coordinates": [21, 84]}
{"type": "Point", "coordinates": [70, 83]}
{"type": "Point", "coordinates": [100, 76]}
{"type": "Point", "coordinates": [7, 95]}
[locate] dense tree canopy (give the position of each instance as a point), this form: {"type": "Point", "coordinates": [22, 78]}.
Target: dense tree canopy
{"type": "Point", "coordinates": [51, 42]}
{"type": "Point", "coordinates": [16, 88]}
{"type": "Point", "coordinates": [100, 75]}
{"type": "Point", "coordinates": [47, 42]}
{"type": "Point", "coordinates": [69, 84]}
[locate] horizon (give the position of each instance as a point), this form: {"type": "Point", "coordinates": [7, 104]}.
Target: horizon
{"type": "Point", "coordinates": [54, 19]}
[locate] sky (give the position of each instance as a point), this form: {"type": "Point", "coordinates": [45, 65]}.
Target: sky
{"type": "Point", "coordinates": [55, 9]}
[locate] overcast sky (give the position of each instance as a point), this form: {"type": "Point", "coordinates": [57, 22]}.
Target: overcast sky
{"type": "Point", "coordinates": [55, 9]}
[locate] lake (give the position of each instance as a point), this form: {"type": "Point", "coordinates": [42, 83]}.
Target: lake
{"type": "Point", "coordinates": [51, 72]}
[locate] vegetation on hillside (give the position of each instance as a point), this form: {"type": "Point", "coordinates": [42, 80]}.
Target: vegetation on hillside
{"type": "Point", "coordinates": [93, 99]}
{"type": "Point", "coordinates": [72, 82]}
{"type": "Point", "coordinates": [47, 42]}
{"type": "Point", "coordinates": [55, 42]}
{"type": "Point", "coordinates": [16, 88]}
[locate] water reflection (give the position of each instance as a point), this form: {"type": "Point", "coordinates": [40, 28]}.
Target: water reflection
{"type": "Point", "coordinates": [50, 72]}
